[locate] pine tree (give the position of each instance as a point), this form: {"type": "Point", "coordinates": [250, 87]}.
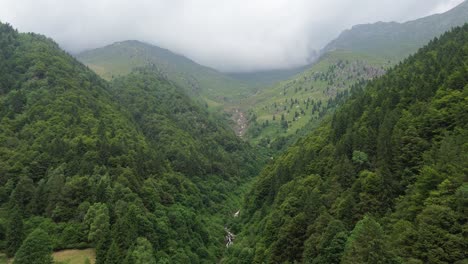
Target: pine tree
{"type": "Point", "coordinates": [102, 248]}
{"type": "Point", "coordinates": [97, 219]}
{"type": "Point", "coordinates": [142, 253]}
{"type": "Point", "coordinates": [113, 256]}
{"type": "Point", "coordinates": [55, 183]}
{"type": "Point", "coordinates": [36, 249]}
{"type": "Point", "coordinates": [366, 244]}
{"type": "Point", "coordinates": [14, 232]}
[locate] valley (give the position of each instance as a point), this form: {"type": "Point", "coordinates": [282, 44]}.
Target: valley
{"type": "Point", "coordinates": [288, 106]}
{"type": "Point", "coordinates": [131, 153]}
{"type": "Point", "coordinates": [279, 104]}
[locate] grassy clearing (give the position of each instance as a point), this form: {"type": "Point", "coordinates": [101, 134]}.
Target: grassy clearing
{"type": "Point", "coordinates": [75, 256]}
{"type": "Point", "coordinates": [3, 259]}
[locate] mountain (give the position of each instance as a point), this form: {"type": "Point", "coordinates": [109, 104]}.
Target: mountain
{"type": "Point", "coordinates": [120, 58]}
{"type": "Point", "coordinates": [397, 40]}
{"type": "Point", "coordinates": [383, 180]}
{"type": "Point", "coordinates": [262, 79]}
{"type": "Point", "coordinates": [280, 114]}
{"type": "Point", "coordinates": [130, 167]}
{"type": "Point", "coordinates": [289, 106]}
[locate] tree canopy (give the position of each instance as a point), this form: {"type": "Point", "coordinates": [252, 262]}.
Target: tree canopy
{"type": "Point", "coordinates": [101, 164]}
{"type": "Point", "coordinates": [381, 181]}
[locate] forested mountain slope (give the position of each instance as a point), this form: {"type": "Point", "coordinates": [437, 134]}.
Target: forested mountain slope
{"type": "Point", "coordinates": [280, 114]}
{"type": "Point", "coordinates": [397, 40]}
{"type": "Point", "coordinates": [133, 168]}
{"type": "Point", "coordinates": [280, 111]}
{"type": "Point", "coordinates": [382, 181]}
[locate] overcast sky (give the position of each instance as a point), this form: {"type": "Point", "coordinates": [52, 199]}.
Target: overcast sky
{"type": "Point", "coordinates": [229, 35]}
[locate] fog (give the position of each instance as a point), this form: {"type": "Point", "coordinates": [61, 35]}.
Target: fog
{"type": "Point", "coordinates": [229, 35]}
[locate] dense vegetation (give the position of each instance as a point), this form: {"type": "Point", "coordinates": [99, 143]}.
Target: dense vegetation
{"type": "Point", "coordinates": [133, 168]}
{"type": "Point", "coordinates": [279, 113]}
{"type": "Point", "coordinates": [137, 169]}
{"type": "Point", "coordinates": [121, 58]}
{"type": "Point", "coordinates": [280, 106]}
{"type": "Point", "coordinates": [382, 181]}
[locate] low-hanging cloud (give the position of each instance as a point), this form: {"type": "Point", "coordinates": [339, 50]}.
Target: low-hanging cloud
{"type": "Point", "coordinates": [229, 35]}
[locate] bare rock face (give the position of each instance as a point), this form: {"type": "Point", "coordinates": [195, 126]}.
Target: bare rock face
{"type": "Point", "coordinates": [229, 238]}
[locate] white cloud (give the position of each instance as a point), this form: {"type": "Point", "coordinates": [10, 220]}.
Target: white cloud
{"type": "Point", "coordinates": [225, 34]}
{"type": "Point", "coordinates": [444, 6]}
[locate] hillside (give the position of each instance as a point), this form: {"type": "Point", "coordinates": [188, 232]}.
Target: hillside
{"type": "Point", "coordinates": [133, 167]}
{"type": "Point", "coordinates": [283, 109]}
{"type": "Point", "coordinates": [382, 181]}
{"type": "Point", "coordinates": [262, 79]}
{"type": "Point", "coordinates": [394, 40]}
{"type": "Point", "coordinates": [280, 114]}
{"type": "Point", "coordinates": [121, 58]}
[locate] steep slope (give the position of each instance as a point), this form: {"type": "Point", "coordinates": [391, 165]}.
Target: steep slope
{"type": "Point", "coordinates": [120, 58]}
{"type": "Point", "coordinates": [262, 79]}
{"type": "Point", "coordinates": [397, 40]}
{"type": "Point", "coordinates": [133, 167]}
{"type": "Point", "coordinates": [382, 181]}
{"type": "Point", "coordinates": [282, 110]}
{"type": "Point", "coordinates": [280, 114]}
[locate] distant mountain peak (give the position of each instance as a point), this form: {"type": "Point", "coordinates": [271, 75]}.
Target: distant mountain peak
{"type": "Point", "coordinates": [120, 58]}
{"type": "Point", "coordinates": [398, 40]}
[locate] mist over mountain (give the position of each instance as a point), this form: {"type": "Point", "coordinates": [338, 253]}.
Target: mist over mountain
{"type": "Point", "coordinates": [120, 58]}
{"type": "Point", "coordinates": [136, 153]}
{"type": "Point", "coordinates": [230, 35]}
{"type": "Point", "coordinates": [398, 40]}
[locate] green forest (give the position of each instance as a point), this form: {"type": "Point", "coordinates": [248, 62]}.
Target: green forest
{"type": "Point", "coordinates": [358, 159]}
{"type": "Point", "coordinates": [133, 168]}
{"type": "Point", "coordinates": [384, 180]}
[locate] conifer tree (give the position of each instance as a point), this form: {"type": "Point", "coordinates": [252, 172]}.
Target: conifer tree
{"type": "Point", "coordinates": [14, 232]}
{"type": "Point", "coordinates": [36, 249]}
{"type": "Point", "coordinates": [366, 244]}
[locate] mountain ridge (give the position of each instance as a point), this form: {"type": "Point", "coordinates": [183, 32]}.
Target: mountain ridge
{"type": "Point", "coordinates": [119, 58]}
{"type": "Point", "coordinates": [374, 47]}
{"type": "Point", "coordinates": [383, 180]}
{"type": "Point", "coordinates": [398, 40]}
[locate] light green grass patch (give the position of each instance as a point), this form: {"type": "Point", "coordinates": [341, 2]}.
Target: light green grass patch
{"type": "Point", "coordinates": [75, 256]}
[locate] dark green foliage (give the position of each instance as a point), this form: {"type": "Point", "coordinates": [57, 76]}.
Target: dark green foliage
{"type": "Point", "coordinates": [8, 42]}
{"type": "Point", "coordinates": [14, 232]}
{"type": "Point", "coordinates": [327, 248]}
{"type": "Point", "coordinates": [142, 253]}
{"type": "Point", "coordinates": [36, 249]}
{"type": "Point", "coordinates": [99, 164]}
{"type": "Point", "coordinates": [382, 181]}
{"type": "Point", "coordinates": [98, 223]}
{"type": "Point", "coordinates": [102, 248]}
{"type": "Point", "coordinates": [141, 172]}
{"type": "Point", "coordinates": [113, 255]}
{"type": "Point", "coordinates": [181, 130]}
{"type": "Point", "coordinates": [366, 244]}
